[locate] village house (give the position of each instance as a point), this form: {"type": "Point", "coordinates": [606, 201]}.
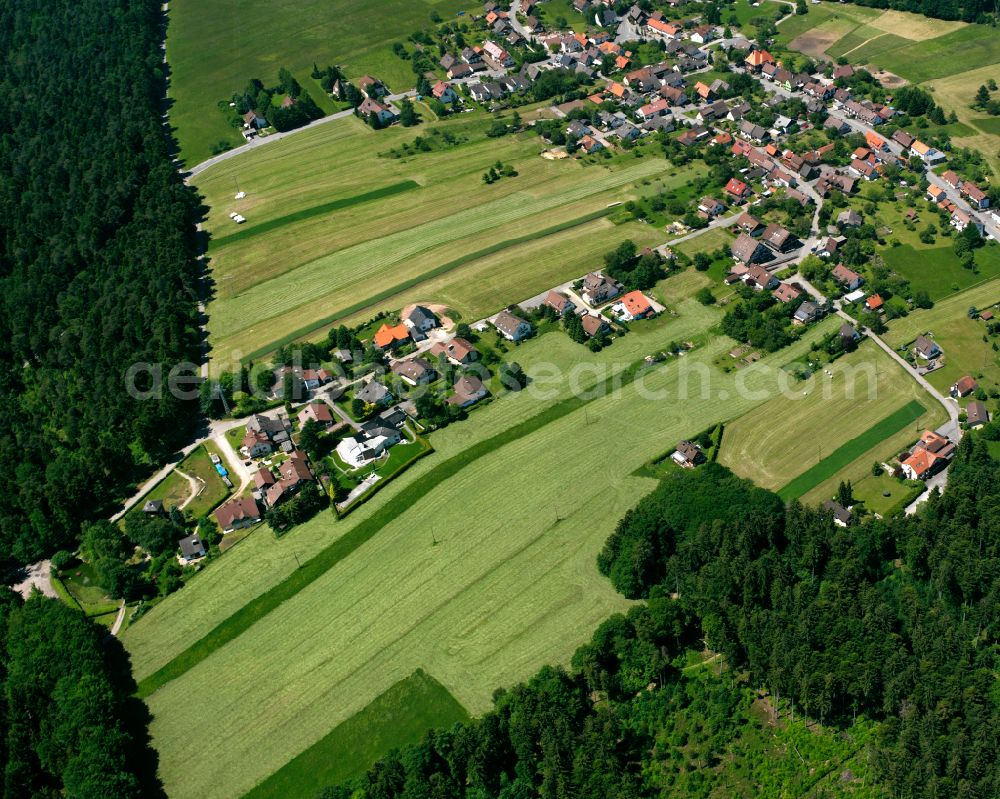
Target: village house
{"type": "Point", "coordinates": [593, 324]}
{"type": "Point", "coordinates": [926, 348]}
{"type": "Point", "coordinates": [710, 206]}
{"type": "Point", "coordinates": [415, 371]}
{"type": "Point", "coordinates": [849, 334]}
{"type": "Point", "coordinates": [598, 289]}
{"type": "Point", "coordinates": [385, 113]}
{"type": "Point", "coordinates": [737, 189]}
{"type": "Point", "coordinates": [749, 224]}
{"type": "Point", "coordinates": [559, 302]}
{"type": "Point", "coordinates": [511, 327]}
{"type": "Point", "coordinates": [848, 278]}
{"type": "Point", "coordinates": [237, 514]}
{"type": "Point", "coordinates": [192, 549]}
{"type": "Point", "coordinates": [777, 238]}
{"type": "Point", "coordinates": [420, 319]}
{"type": "Point", "coordinates": [928, 456]}
{"type": "Point", "coordinates": [964, 386]}
{"type": "Point", "coordinates": [318, 412]}
{"type": "Point", "coordinates": [976, 414]}
{"type": "Point", "coordinates": [976, 196]}
{"type": "Point", "coordinates": [929, 155]}
{"type": "Point", "coordinates": [254, 120]}
{"type": "Point", "coordinates": [841, 515]}
{"type": "Point", "coordinates": [807, 312]}
{"type": "Point", "coordinates": [458, 351]}
{"type": "Point", "coordinates": [759, 278]}
{"type": "Point", "coordinates": [373, 393]}
{"type": "Point", "coordinates": [292, 474]}
{"type": "Point", "coordinates": [749, 250]}
{"type": "Point", "coordinates": [444, 92]}
{"type": "Point", "coordinates": [368, 446]}
{"type": "Point", "coordinates": [390, 336]}
{"type": "Point", "coordinates": [469, 389]}
{"type": "Point", "coordinates": [875, 303]}
{"type": "Point", "coordinates": [687, 455]}
{"type": "Point", "coordinates": [786, 293]}
{"type": "Point", "coordinates": [634, 305]}
{"type": "Point", "coordinates": [756, 60]}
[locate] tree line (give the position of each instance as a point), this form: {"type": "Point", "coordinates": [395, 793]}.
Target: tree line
{"type": "Point", "coordinates": [98, 264]}
{"type": "Point", "coordinates": [894, 620]}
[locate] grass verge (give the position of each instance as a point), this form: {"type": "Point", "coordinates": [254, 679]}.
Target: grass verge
{"type": "Point", "coordinates": [849, 451]}
{"type": "Point", "coordinates": [398, 717]}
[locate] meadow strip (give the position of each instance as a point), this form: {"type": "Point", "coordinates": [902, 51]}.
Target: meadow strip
{"type": "Point", "coordinates": [399, 716]}
{"type": "Point", "coordinates": [316, 210]}
{"type": "Point", "coordinates": [851, 450]}
{"type": "Point", "coordinates": [381, 296]}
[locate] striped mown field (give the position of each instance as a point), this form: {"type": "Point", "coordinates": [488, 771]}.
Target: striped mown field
{"type": "Point", "coordinates": [336, 225]}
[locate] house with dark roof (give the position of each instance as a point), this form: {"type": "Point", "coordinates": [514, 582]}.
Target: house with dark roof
{"type": "Point", "coordinates": [373, 393]}
{"type": "Point", "coordinates": [420, 318]}
{"type": "Point", "coordinates": [926, 348]}
{"type": "Point", "coordinates": [687, 455]}
{"type": "Point", "coordinates": [976, 414]}
{"type": "Point", "coordinates": [841, 516]}
{"type": "Point", "coordinates": [192, 548]}
{"type": "Point", "coordinates": [598, 289]}
{"type": "Point", "coordinates": [748, 250]}
{"type": "Point", "coordinates": [807, 312]}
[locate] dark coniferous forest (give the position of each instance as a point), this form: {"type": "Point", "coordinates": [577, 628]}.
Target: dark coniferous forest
{"type": "Point", "coordinates": [893, 621]}
{"type": "Point", "coordinates": [97, 262]}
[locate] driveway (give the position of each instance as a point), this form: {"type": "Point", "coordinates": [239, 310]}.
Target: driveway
{"type": "Point", "coordinates": [37, 576]}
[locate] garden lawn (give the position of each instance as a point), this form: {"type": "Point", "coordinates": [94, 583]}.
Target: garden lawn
{"type": "Point", "coordinates": [869, 490]}
{"type": "Point", "coordinates": [791, 434]}
{"type": "Point", "coordinates": [199, 465]}
{"type": "Point", "coordinates": [509, 585]}
{"type": "Point", "coordinates": [214, 47]}
{"type": "Point", "coordinates": [394, 719]}
{"type": "Point", "coordinates": [959, 337]}
{"type": "Point", "coordinates": [705, 241]}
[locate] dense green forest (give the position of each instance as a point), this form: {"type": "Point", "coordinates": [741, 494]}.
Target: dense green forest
{"type": "Point", "coordinates": [71, 726]}
{"type": "Point", "coordinates": [892, 622]}
{"type": "Point", "coordinates": [98, 262]}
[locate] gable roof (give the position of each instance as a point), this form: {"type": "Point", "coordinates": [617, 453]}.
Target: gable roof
{"type": "Point", "coordinates": [386, 336]}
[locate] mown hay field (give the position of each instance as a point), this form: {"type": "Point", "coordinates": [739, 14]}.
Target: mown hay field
{"type": "Point", "coordinates": [306, 267]}
{"type": "Point", "coordinates": [214, 47]}
{"type": "Point", "coordinates": [789, 434]}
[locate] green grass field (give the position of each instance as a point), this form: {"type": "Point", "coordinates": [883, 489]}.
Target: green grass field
{"type": "Point", "coordinates": [938, 271]}
{"type": "Point", "coordinates": [215, 46]}
{"type": "Point", "coordinates": [967, 48]}
{"type": "Point", "coordinates": [849, 451]}
{"type": "Point", "coordinates": [870, 490]}
{"type": "Point", "coordinates": [312, 268]}
{"type": "Point", "coordinates": [509, 585]}
{"type": "Point", "coordinates": [780, 441]}
{"type": "Point", "coordinates": [398, 717]}
{"type": "Point", "coordinates": [961, 338]}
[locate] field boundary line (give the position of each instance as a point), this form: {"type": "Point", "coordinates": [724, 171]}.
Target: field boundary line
{"type": "Point", "coordinates": [851, 450]}
{"type": "Point", "coordinates": [316, 210]}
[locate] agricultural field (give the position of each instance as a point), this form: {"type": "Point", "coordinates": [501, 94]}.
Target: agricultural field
{"type": "Point", "coordinates": [956, 92]}
{"type": "Point", "coordinates": [214, 47]}
{"type": "Point", "coordinates": [813, 32]}
{"type": "Point", "coordinates": [938, 271]}
{"type": "Point", "coordinates": [959, 337]}
{"type": "Point", "coordinates": [468, 601]}
{"type": "Point", "coordinates": [323, 257]}
{"type": "Point", "coordinates": [394, 719]}
{"type": "Point", "coordinates": [780, 441]}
